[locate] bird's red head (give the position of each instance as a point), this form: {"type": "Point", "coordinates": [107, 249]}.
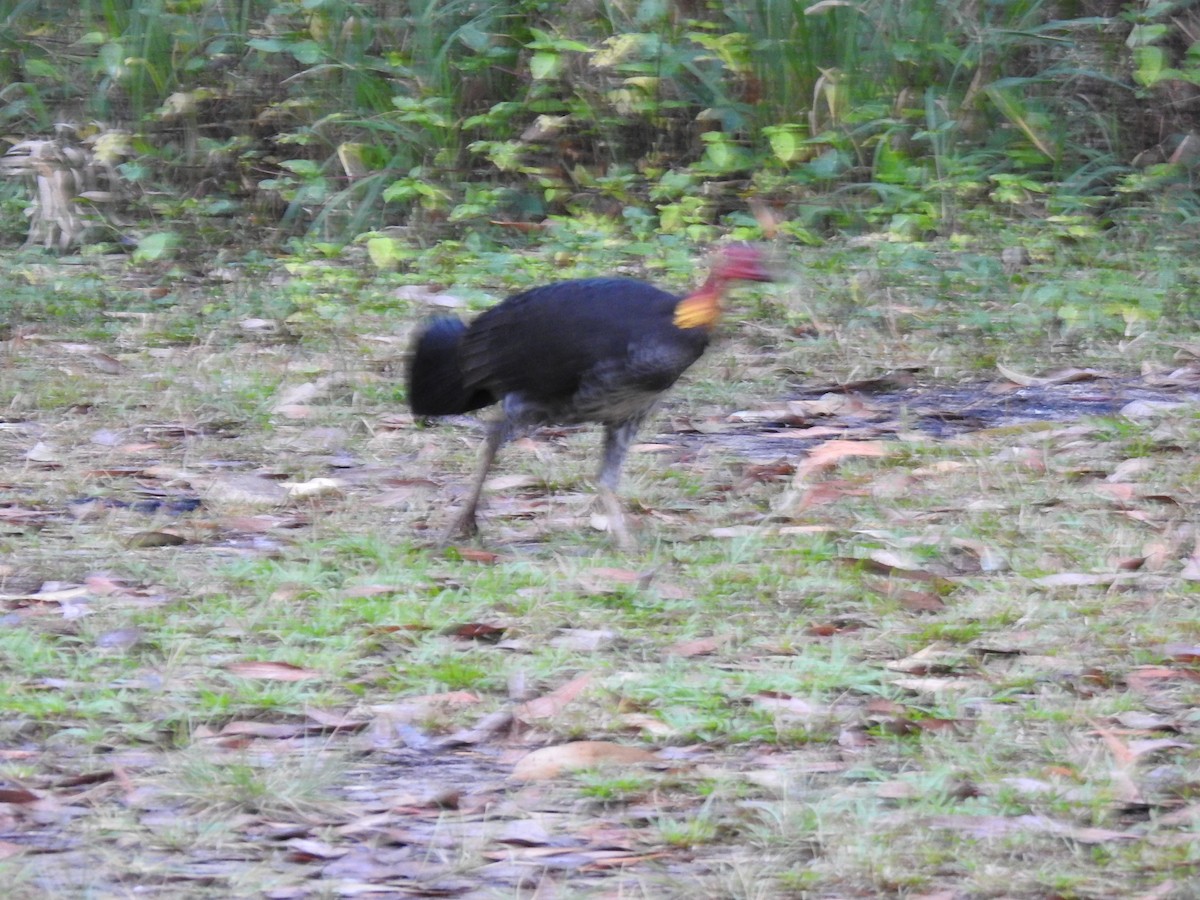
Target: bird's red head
{"type": "Point", "coordinates": [742, 262]}
{"type": "Point", "coordinates": [734, 262]}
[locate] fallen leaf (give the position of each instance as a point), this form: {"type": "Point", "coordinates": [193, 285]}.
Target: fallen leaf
{"type": "Point", "coordinates": [890, 562]}
{"type": "Point", "coordinates": [935, 685]}
{"type": "Point", "coordinates": [551, 704]}
{"type": "Point", "coordinates": [1145, 679]}
{"type": "Point", "coordinates": [314, 487]}
{"type": "Point", "coordinates": [1063, 376]}
{"type": "Point", "coordinates": [607, 579]}
{"type": "Point", "coordinates": [271, 671]}
{"type": "Point", "coordinates": [1130, 468]}
{"type": "Point", "coordinates": [478, 631]}
{"type": "Point", "coordinates": [243, 490]}
{"type": "Point", "coordinates": [472, 554]}
{"type": "Point", "coordinates": [1148, 409]}
{"type": "Point", "coordinates": [262, 326]}
{"type": "Point", "coordinates": [583, 640]}
{"type": "Point", "coordinates": [17, 795]}
{"type": "Point", "coordinates": [273, 730]}
{"type": "Point", "coordinates": [602, 860]}
{"type": "Point", "coordinates": [502, 483]}
{"type": "Point", "coordinates": [524, 833]}
{"type": "Point", "coordinates": [303, 394]}
{"type": "Point", "coordinates": [789, 707]}
{"type": "Point", "coordinates": [738, 531]}
{"type": "Point", "coordinates": [763, 473]}
{"type": "Point", "coordinates": [44, 453]}
{"type": "Point", "coordinates": [897, 790]}
{"type": "Point", "coordinates": [484, 729]}
{"type": "Point", "coordinates": [1117, 748]}
{"type": "Point", "coordinates": [429, 296]}
{"type": "Point", "coordinates": [1151, 746]}
{"type": "Point", "coordinates": [649, 724]}
{"type": "Point", "coordinates": [550, 762]}
{"type": "Point", "coordinates": [1183, 653]}
{"type": "Point", "coordinates": [329, 721]}
{"type": "Point", "coordinates": [698, 647]}
{"type": "Point", "coordinates": [830, 453]}
{"type": "Point", "coordinates": [306, 849]}
{"type": "Point", "coordinates": [920, 601]}
{"type": "Point", "coordinates": [155, 539]}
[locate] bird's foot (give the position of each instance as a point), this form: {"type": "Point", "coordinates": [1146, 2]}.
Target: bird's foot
{"type": "Point", "coordinates": [615, 521]}
{"type": "Point", "coordinates": [463, 526]}
{"type": "Point", "coordinates": [621, 535]}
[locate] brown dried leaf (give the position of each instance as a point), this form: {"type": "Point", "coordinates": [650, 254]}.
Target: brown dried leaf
{"type": "Point", "coordinates": [1183, 653]}
{"type": "Point", "coordinates": [920, 601]}
{"type": "Point", "coordinates": [478, 631]}
{"type": "Point", "coordinates": [17, 795]}
{"type": "Point", "coordinates": [271, 671]}
{"type": "Point", "coordinates": [649, 724]}
{"type": "Point", "coordinates": [472, 554]}
{"type": "Point", "coordinates": [274, 730]}
{"type": "Point", "coordinates": [830, 453]}
{"type": "Point", "coordinates": [327, 720]}
{"type": "Point", "coordinates": [551, 704]}
{"type": "Point", "coordinates": [1062, 376]}
{"type": "Point", "coordinates": [1117, 748]}
{"type": "Point", "coordinates": [824, 493]}
{"type": "Point", "coordinates": [697, 647]}
{"type": "Point", "coordinates": [307, 849]}
{"type": "Point", "coordinates": [768, 472]}
{"type": "Point", "coordinates": [550, 762]}
{"type": "Point", "coordinates": [502, 483]}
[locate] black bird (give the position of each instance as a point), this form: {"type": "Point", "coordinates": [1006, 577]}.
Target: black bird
{"type": "Point", "coordinates": [589, 350]}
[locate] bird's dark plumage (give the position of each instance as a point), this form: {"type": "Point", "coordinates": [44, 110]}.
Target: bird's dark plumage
{"type": "Point", "coordinates": [435, 379]}
{"type": "Point", "coordinates": [589, 350]}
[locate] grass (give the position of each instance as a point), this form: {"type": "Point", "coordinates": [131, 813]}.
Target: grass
{"type": "Point", "coordinates": [877, 687]}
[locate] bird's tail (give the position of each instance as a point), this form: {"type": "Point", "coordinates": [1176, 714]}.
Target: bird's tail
{"type": "Point", "coordinates": [435, 381]}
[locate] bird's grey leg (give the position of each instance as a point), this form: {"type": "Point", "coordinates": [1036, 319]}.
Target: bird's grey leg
{"type": "Point", "coordinates": [498, 432]}
{"type": "Point", "coordinates": [617, 439]}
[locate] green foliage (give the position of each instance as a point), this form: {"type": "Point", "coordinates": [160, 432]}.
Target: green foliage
{"type": "Point", "coordinates": [331, 118]}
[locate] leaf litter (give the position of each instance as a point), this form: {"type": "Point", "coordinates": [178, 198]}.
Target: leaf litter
{"type": "Point", "coordinates": [598, 772]}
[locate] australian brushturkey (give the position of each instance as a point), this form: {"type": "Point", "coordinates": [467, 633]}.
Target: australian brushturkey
{"type": "Point", "coordinates": [590, 350]}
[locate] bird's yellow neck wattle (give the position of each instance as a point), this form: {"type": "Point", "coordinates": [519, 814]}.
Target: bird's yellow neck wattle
{"type": "Point", "coordinates": [699, 310]}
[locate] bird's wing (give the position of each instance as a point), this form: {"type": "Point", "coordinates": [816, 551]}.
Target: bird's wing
{"type": "Point", "coordinates": [545, 342]}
